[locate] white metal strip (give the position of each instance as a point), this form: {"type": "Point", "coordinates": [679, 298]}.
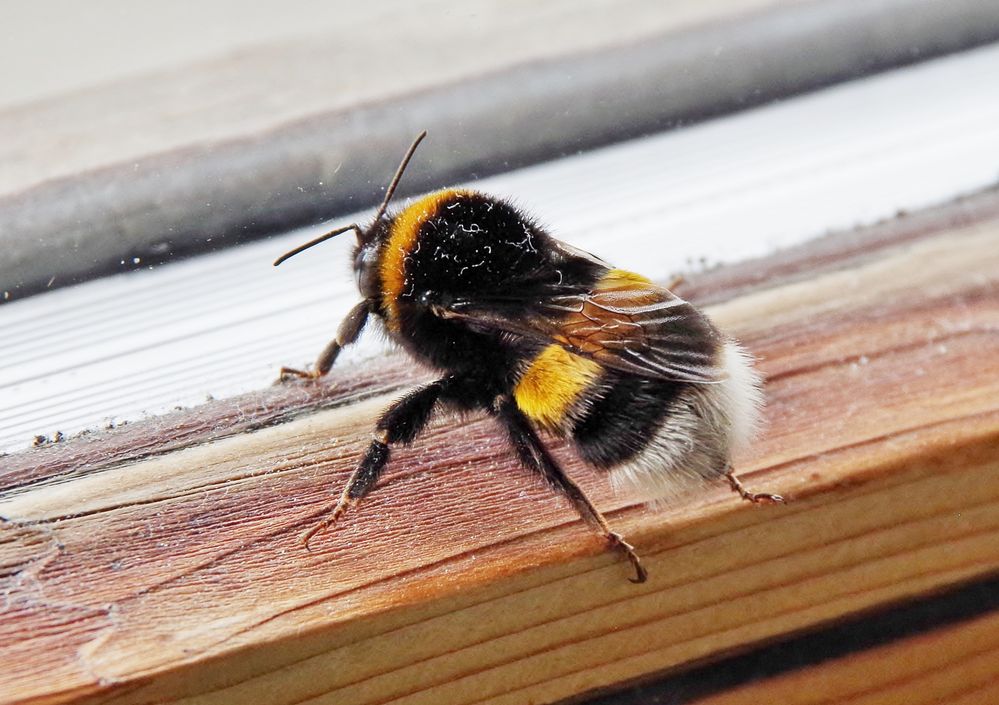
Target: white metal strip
{"type": "Point", "coordinates": [737, 187]}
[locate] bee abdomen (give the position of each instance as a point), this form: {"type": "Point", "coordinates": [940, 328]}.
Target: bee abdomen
{"type": "Point", "coordinates": [662, 437]}
{"type": "Point", "coordinates": [622, 416]}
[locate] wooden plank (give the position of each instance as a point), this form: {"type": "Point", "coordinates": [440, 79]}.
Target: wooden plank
{"type": "Point", "coordinates": [210, 153]}
{"type": "Point", "coordinates": [178, 577]}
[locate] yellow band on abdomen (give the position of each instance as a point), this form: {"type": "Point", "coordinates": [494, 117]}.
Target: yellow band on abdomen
{"type": "Point", "coordinates": [552, 384]}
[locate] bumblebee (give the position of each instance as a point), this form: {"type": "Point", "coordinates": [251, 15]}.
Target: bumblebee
{"type": "Point", "coordinates": [542, 337]}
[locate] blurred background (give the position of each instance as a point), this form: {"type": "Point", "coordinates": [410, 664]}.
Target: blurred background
{"type": "Point", "coordinates": [157, 157]}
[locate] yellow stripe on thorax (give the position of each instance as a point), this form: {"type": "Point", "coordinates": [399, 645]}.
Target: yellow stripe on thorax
{"type": "Point", "coordinates": [621, 279]}
{"type": "Point", "coordinates": [401, 242]}
{"type": "Point", "coordinates": [551, 385]}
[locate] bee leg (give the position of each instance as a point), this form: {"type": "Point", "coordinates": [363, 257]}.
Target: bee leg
{"type": "Point", "coordinates": [754, 497]}
{"type": "Point", "coordinates": [400, 423]}
{"type": "Point", "coordinates": [535, 456]}
{"type": "Point", "coordinates": [349, 330]}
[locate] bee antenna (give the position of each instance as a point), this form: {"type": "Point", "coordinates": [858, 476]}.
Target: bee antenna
{"type": "Point", "coordinates": [378, 216]}
{"type": "Point", "coordinates": [398, 175]}
{"type": "Point", "coordinates": [310, 243]}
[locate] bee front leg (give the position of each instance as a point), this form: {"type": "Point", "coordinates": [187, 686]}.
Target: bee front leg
{"type": "Point", "coordinates": [402, 422]}
{"type": "Point", "coordinates": [535, 456]}
{"type": "Point", "coordinates": [348, 332]}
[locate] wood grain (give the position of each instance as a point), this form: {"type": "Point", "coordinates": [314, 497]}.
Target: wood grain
{"type": "Point", "coordinates": [178, 577]}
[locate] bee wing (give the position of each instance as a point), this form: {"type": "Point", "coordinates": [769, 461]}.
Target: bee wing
{"type": "Point", "coordinates": [626, 323]}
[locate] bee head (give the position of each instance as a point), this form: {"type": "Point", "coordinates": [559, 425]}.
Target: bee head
{"type": "Point", "coordinates": [366, 257]}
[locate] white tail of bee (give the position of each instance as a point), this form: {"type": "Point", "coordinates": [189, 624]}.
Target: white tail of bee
{"type": "Point", "coordinates": [706, 425]}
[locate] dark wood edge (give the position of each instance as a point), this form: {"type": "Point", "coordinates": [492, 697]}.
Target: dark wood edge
{"type": "Point", "coordinates": [861, 632]}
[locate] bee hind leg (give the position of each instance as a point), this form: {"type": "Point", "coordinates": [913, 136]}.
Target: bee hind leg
{"type": "Point", "coordinates": [754, 497]}
{"type": "Point", "coordinates": [533, 455]}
